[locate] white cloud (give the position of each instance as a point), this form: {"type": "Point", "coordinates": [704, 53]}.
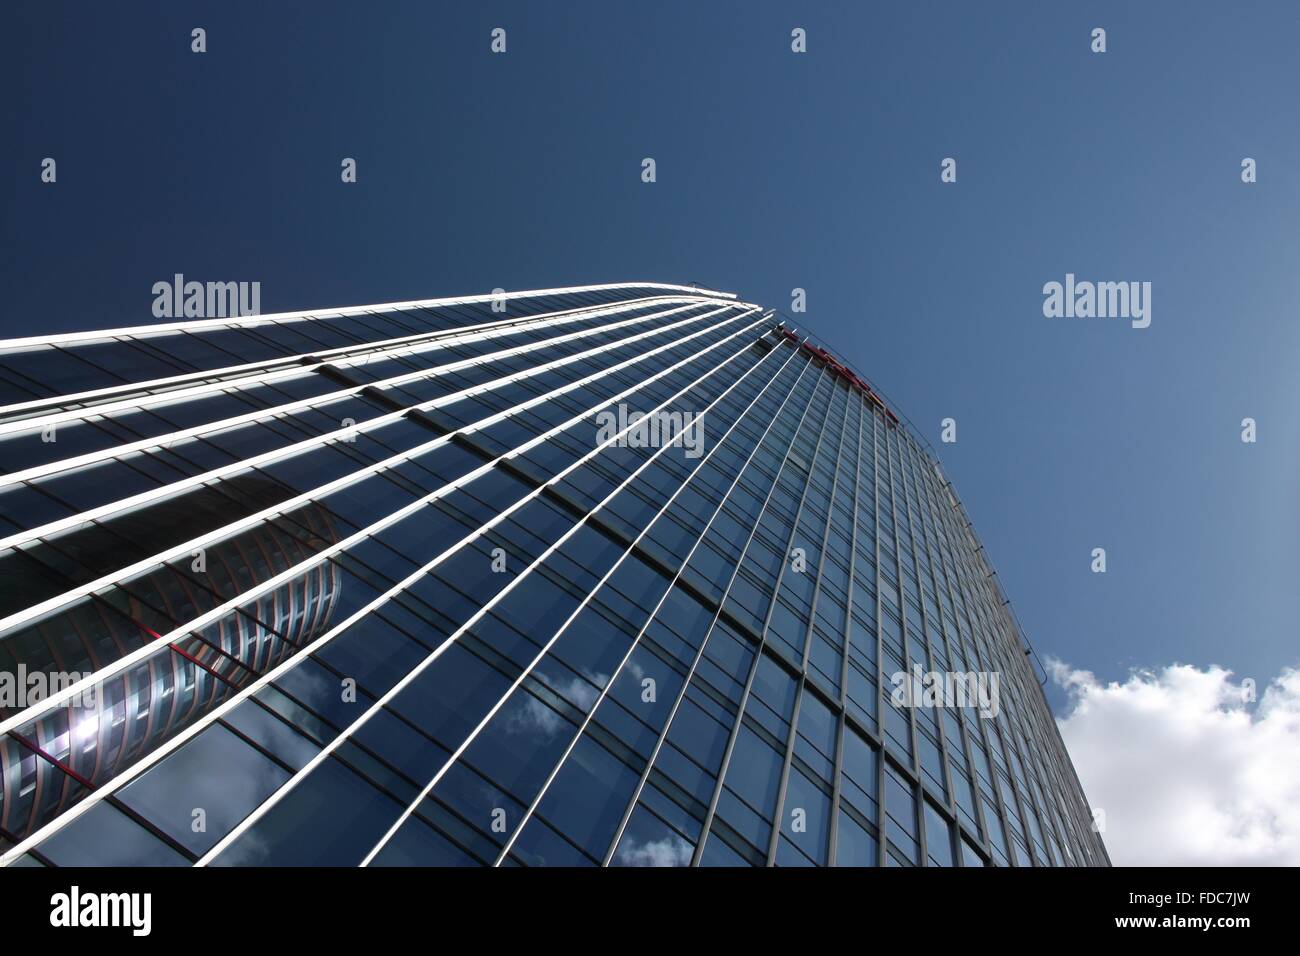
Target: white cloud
{"type": "Point", "coordinates": [1186, 771]}
{"type": "Point", "coordinates": [671, 851]}
{"type": "Point", "coordinates": [528, 715]}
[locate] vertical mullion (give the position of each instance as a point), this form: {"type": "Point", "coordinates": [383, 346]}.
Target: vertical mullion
{"type": "Point", "coordinates": [664, 510]}
{"type": "Point", "coordinates": [950, 572]}
{"type": "Point", "coordinates": [776, 591]}
{"type": "Point", "coordinates": [908, 473]}
{"type": "Point", "coordinates": [928, 509]}
{"type": "Point", "coordinates": [791, 736]}
{"type": "Point", "coordinates": [893, 447]}
{"type": "Point", "coordinates": [841, 718]}
{"type": "Point", "coordinates": [881, 830]}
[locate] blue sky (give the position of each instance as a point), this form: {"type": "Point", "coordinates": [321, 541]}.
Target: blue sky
{"type": "Point", "coordinates": [775, 171]}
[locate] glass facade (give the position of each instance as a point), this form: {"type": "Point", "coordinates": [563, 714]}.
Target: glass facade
{"type": "Point", "coordinates": [616, 575]}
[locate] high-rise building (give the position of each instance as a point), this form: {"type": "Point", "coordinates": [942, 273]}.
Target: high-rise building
{"type": "Point", "coordinates": [625, 575]}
